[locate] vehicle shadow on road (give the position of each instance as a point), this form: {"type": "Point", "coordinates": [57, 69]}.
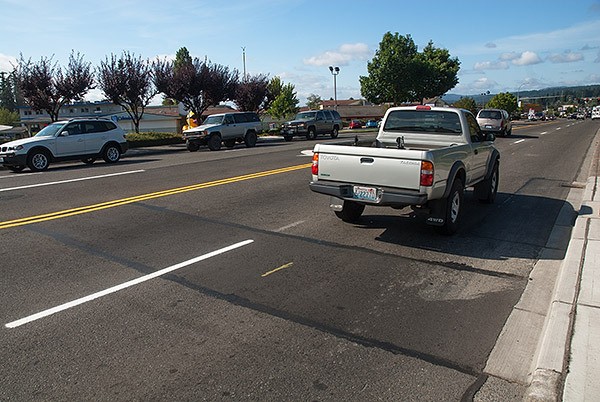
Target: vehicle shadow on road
{"type": "Point", "coordinates": [516, 226]}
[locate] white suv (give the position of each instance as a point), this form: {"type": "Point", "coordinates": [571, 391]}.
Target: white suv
{"type": "Point", "coordinates": [83, 139]}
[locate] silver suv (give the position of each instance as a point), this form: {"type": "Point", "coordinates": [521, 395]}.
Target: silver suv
{"type": "Point", "coordinates": [226, 128]}
{"type": "Point", "coordinates": [83, 139]}
{"type": "Point", "coordinates": [311, 123]}
{"type": "Point", "coordinates": [495, 121]}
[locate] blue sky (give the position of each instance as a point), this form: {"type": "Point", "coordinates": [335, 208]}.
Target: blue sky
{"type": "Point", "coordinates": [502, 45]}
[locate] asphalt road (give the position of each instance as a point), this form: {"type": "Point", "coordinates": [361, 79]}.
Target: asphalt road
{"type": "Point", "coordinates": [221, 276]}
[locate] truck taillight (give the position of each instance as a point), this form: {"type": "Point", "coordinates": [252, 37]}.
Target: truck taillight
{"type": "Point", "coordinates": [315, 164]}
{"type": "Point", "coordinates": [426, 173]}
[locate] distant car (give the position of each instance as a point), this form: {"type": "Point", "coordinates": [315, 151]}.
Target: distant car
{"type": "Point", "coordinates": [495, 121]}
{"type": "Point", "coordinates": [580, 116]}
{"type": "Point", "coordinates": [371, 124]}
{"type": "Point", "coordinates": [75, 139]}
{"type": "Point", "coordinates": [311, 123]}
{"type": "Point", "coordinates": [540, 116]}
{"type": "Point", "coordinates": [355, 124]}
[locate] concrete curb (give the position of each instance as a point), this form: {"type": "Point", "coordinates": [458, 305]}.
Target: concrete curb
{"type": "Point", "coordinates": [552, 358]}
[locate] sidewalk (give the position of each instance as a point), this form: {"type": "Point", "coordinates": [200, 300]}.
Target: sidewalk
{"type": "Point", "coordinates": [569, 349]}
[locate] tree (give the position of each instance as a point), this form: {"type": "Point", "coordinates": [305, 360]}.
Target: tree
{"type": "Point", "coordinates": [44, 86]}
{"type": "Point", "coordinates": [398, 73]}
{"type": "Point", "coordinates": [127, 81]}
{"type": "Point", "coordinates": [467, 103]}
{"type": "Point", "coordinates": [197, 84]}
{"type": "Point", "coordinates": [8, 99]}
{"type": "Point", "coordinates": [251, 93]}
{"type": "Point", "coordinates": [285, 104]}
{"type": "Point", "coordinates": [504, 100]}
{"type": "Point", "coordinates": [273, 91]}
{"type": "Point", "coordinates": [313, 101]}
{"type": "Point", "coordinates": [8, 118]}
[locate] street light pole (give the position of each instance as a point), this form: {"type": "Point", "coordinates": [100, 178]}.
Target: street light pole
{"type": "Point", "coordinates": [244, 60]}
{"type": "Point", "coordinates": [334, 71]}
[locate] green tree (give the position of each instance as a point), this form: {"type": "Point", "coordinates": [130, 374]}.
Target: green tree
{"type": "Point", "coordinates": [8, 117]}
{"type": "Point", "coordinates": [182, 58]}
{"type": "Point", "coordinates": [8, 98]}
{"type": "Point", "coordinates": [251, 93]}
{"type": "Point", "coordinates": [399, 73]}
{"type": "Point", "coordinates": [467, 103]}
{"type": "Point", "coordinates": [504, 100]}
{"type": "Point", "coordinates": [313, 101]}
{"type": "Point", "coordinates": [285, 104]}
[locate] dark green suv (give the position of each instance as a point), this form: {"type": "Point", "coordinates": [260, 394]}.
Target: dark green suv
{"type": "Point", "coordinates": [311, 123]}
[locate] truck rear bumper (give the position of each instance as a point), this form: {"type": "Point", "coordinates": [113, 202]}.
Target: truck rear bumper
{"type": "Point", "coordinates": [387, 196]}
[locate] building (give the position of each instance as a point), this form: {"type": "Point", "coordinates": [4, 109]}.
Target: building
{"type": "Point", "coordinates": [166, 119]}
{"type": "Point", "coordinates": [355, 109]}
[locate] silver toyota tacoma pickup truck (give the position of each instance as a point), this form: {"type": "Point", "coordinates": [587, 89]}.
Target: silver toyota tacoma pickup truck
{"type": "Point", "coordinates": [423, 157]}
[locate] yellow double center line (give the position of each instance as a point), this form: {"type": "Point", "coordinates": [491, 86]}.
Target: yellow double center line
{"type": "Point", "coordinates": [144, 197]}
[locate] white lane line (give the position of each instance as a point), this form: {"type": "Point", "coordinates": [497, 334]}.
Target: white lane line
{"type": "Point", "coordinates": [69, 181]}
{"type": "Point", "coordinates": [518, 141]}
{"type": "Point", "coordinates": [13, 176]}
{"type": "Point", "coordinates": [558, 128]}
{"type": "Point", "coordinates": [122, 286]}
{"type": "Point", "coordinates": [307, 152]}
{"type": "Point", "coordinates": [543, 132]}
{"type": "Point", "coordinates": [291, 225]}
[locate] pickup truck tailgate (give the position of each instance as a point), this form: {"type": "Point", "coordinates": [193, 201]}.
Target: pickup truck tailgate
{"type": "Point", "coordinates": [397, 168]}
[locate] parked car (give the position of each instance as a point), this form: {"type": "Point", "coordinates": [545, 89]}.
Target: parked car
{"type": "Point", "coordinates": [227, 128]}
{"type": "Point", "coordinates": [355, 124]}
{"type": "Point", "coordinates": [371, 124]}
{"type": "Point", "coordinates": [312, 123]}
{"type": "Point", "coordinates": [83, 139]}
{"type": "Point", "coordinates": [495, 121]}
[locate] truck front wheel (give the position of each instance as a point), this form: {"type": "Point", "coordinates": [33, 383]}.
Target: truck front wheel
{"type": "Point", "coordinates": [351, 211]}
{"type": "Point", "coordinates": [214, 142]}
{"type": "Point", "coordinates": [453, 209]}
{"type": "Point", "coordinates": [311, 134]}
{"type": "Point", "coordinates": [192, 146]}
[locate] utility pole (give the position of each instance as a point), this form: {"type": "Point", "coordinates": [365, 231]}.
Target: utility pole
{"type": "Point", "coordinates": [244, 61]}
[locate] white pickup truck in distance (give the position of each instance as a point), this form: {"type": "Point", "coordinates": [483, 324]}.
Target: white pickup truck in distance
{"type": "Point", "coordinates": [423, 157]}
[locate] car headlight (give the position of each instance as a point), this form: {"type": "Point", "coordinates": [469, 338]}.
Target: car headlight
{"type": "Point", "coordinates": [302, 125]}
{"type": "Point", "coordinates": [17, 148]}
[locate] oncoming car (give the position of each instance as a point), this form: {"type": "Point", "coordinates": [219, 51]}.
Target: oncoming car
{"type": "Point", "coordinates": [75, 139]}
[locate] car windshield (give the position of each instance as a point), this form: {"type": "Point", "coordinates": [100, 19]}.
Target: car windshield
{"type": "Point", "coordinates": [415, 121]}
{"type": "Point", "coordinates": [306, 115]}
{"type": "Point", "coordinates": [490, 114]}
{"type": "Point", "coordinates": [214, 120]}
{"type": "Point", "coordinates": [50, 130]}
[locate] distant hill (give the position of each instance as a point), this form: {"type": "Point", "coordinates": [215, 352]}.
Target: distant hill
{"type": "Point", "coordinates": [565, 94]}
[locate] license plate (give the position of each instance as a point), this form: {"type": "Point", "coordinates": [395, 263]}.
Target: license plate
{"type": "Point", "coordinates": [488, 126]}
{"type": "Point", "coordinates": [364, 193]}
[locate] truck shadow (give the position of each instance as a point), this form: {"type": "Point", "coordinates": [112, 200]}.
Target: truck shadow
{"type": "Point", "coordinates": [516, 226]}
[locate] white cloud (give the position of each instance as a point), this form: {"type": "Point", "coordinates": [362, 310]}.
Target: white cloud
{"type": "Point", "coordinates": [527, 58]}
{"type": "Point", "coordinates": [565, 57]}
{"type": "Point", "coordinates": [7, 63]}
{"type": "Point", "coordinates": [342, 56]}
{"type": "Point", "coordinates": [509, 56]}
{"type": "Point", "coordinates": [491, 65]}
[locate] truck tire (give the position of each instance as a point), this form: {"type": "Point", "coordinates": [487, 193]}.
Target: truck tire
{"type": "Point", "coordinates": [250, 139]}
{"type": "Point", "coordinates": [334, 132]}
{"type": "Point", "coordinates": [487, 189]}
{"type": "Point", "coordinates": [192, 146]}
{"type": "Point", "coordinates": [214, 142]}
{"type": "Point", "coordinates": [453, 208]}
{"type": "Point", "coordinates": [351, 211]}
{"type": "Point", "coordinates": [287, 138]}
{"type": "Point", "coordinates": [311, 134]}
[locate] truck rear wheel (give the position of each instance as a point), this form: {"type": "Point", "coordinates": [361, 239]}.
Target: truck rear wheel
{"type": "Point", "coordinates": [334, 132]}
{"type": "Point", "coordinates": [351, 211]}
{"type": "Point", "coordinates": [487, 189]}
{"type": "Point", "coordinates": [453, 208]}
{"type": "Point", "coordinates": [250, 139]}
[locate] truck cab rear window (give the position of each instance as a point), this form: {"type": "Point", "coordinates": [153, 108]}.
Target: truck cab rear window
{"type": "Point", "coordinates": [417, 121]}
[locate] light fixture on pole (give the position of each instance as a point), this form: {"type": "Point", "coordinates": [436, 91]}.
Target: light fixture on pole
{"type": "Point", "coordinates": [334, 71]}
